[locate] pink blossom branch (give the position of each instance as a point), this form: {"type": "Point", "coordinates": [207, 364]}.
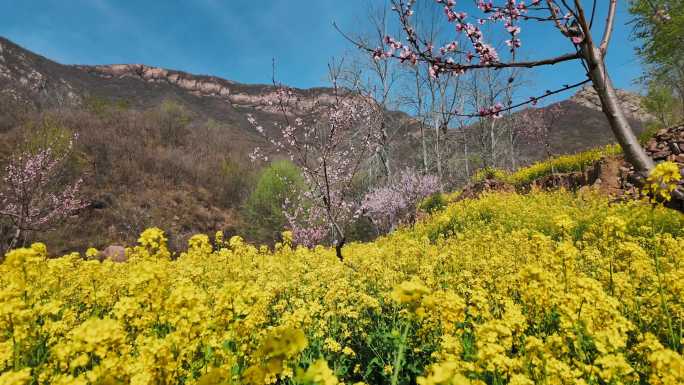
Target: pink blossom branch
{"type": "Point", "coordinates": [329, 147]}
{"type": "Point", "coordinates": [31, 196]}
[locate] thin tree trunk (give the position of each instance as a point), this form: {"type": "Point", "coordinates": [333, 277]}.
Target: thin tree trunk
{"type": "Point", "coordinates": [342, 239]}
{"type": "Point", "coordinates": [15, 240]}
{"type": "Point", "coordinates": [384, 148]}
{"type": "Point", "coordinates": [610, 104]}
{"type": "Point", "coordinates": [438, 151]}
{"type": "Point", "coordinates": [419, 104]}
{"type": "Point", "coordinates": [425, 152]}
{"type": "Point", "coordinates": [338, 249]}
{"type": "Point", "coordinates": [492, 142]}
{"type": "Point", "coordinates": [465, 153]}
{"type": "Point", "coordinates": [510, 148]}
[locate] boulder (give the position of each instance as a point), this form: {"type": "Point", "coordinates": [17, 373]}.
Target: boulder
{"type": "Point", "coordinates": [114, 253]}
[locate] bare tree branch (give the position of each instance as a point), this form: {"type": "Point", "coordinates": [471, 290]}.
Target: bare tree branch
{"type": "Point", "coordinates": [532, 100]}
{"type": "Point", "coordinates": [608, 31]}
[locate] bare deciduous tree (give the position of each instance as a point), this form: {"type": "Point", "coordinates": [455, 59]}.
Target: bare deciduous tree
{"type": "Point", "coordinates": [569, 18]}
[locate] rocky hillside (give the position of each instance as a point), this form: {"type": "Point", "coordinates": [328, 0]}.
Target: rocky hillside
{"type": "Point", "coordinates": [31, 80]}
{"type": "Point", "coordinates": [631, 103]}
{"type": "Point", "coordinates": [39, 83]}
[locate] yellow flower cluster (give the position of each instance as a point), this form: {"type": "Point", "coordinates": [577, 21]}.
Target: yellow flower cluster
{"type": "Point", "coordinates": [489, 173]}
{"type": "Point", "coordinates": [318, 374]}
{"type": "Point", "coordinates": [663, 180]}
{"type": "Point", "coordinates": [545, 288]}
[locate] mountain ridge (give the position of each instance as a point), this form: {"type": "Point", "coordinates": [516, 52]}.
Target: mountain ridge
{"type": "Point", "coordinates": [203, 85]}
{"type": "Point", "coordinates": [42, 83]}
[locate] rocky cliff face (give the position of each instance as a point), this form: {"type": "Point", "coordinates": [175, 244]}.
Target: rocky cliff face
{"type": "Point", "coordinates": [631, 103]}
{"type": "Point", "coordinates": [200, 86]}
{"type": "Point", "coordinates": [259, 97]}
{"type": "Point", "coordinates": [27, 78]}
{"type": "Point", "coordinates": [37, 81]}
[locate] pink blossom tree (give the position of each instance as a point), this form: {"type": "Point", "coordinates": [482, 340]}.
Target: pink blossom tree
{"type": "Point", "coordinates": [568, 18]}
{"type": "Point", "coordinates": [395, 203]}
{"type": "Point", "coordinates": [308, 222]}
{"type": "Point", "coordinates": [32, 197]}
{"type": "Point", "coordinates": [329, 139]}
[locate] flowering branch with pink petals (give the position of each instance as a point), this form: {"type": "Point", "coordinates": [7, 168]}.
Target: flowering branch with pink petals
{"type": "Point", "coordinates": [329, 143]}
{"type": "Point", "coordinates": [31, 196]}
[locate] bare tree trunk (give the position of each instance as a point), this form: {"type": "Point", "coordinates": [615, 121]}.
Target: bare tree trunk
{"type": "Point", "coordinates": [425, 153]}
{"type": "Point", "coordinates": [610, 104]}
{"type": "Point", "coordinates": [511, 133]}
{"type": "Point", "coordinates": [341, 238]}
{"type": "Point", "coordinates": [514, 163]}
{"type": "Point", "coordinates": [465, 153]}
{"type": "Point", "coordinates": [338, 249]}
{"type": "Point", "coordinates": [419, 105]}
{"type": "Point", "coordinates": [492, 142]}
{"type": "Point", "coordinates": [15, 240]}
{"type": "Point", "coordinates": [438, 151]}
{"type": "Point", "coordinates": [384, 151]}
{"type": "Point", "coordinates": [594, 56]}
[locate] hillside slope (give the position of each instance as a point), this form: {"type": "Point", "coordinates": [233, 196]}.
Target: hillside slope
{"type": "Point", "coordinates": [28, 78]}
{"type": "Point", "coordinates": [161, 147]}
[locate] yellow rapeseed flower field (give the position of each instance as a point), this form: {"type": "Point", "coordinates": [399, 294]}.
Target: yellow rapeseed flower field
{"type": "Point", "coordinates": [578, 162]}
{"type": "Point", "coordinates": [545, 288]}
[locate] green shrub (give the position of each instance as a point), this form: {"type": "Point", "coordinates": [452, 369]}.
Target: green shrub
{"type": "Point", "coordinates": [103, 107]}
{"type": "Point", "coordinates": [279, 182]}
{"type": "Point", "coordinates": [173, 119]}
{"type": "Point", "coordinates": [488, 173]}
{"type": "Point", "coordinates": [233, 182]}
{"type": "Point", "coordinates": [433, 203]}
{"type": "Point", "coordinates": [650, 131]}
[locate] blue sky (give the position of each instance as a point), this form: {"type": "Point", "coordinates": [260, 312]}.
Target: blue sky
{"type": "Point", "coordinates": [236, 39]}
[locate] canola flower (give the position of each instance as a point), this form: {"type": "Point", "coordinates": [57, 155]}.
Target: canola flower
{"type": "Point", "coordinates": [318, 374]}
{"type": "Point", "coordinates": [558, 164]}
{"type": "Point", "coordinates": [663, 180]}
{"type": "Point", "coordinates": [545, 288]}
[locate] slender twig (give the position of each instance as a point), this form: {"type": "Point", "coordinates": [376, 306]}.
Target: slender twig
{"type": "Point", "coordinates": [531, 101]}
{"type": "Point", "coordinates": [608, 31]}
